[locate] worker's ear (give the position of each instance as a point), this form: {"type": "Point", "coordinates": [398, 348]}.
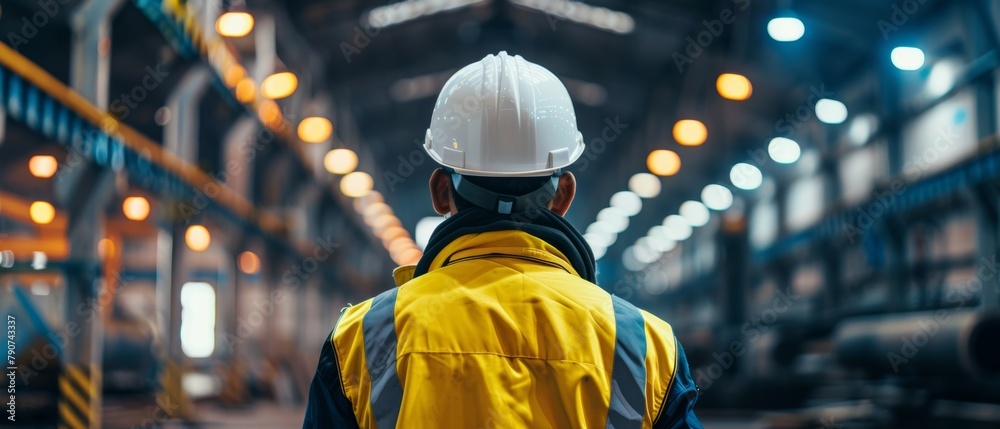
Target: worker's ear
{"type": "Point", "coordinates": [565, 191]}
{"type": "Point", "coordinates": [440, 185]}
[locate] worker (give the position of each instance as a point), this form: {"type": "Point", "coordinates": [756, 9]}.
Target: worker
{"type": "Point", "coordinates": [500, 324]}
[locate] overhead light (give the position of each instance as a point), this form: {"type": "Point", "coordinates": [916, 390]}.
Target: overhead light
{"type": "Point", "coordinates": [340, 161]}
{"type": "Point", "coordinates": [246, 90]}
{"type": "Point", "coordinates": [234, 24]}
{"type": "Point", "coordinates": [315, 129]}
{"type": "Point", "coordinates": [43, 166]}
{"type": "Point", "coordinates": [615, 218]}
{"type": "Point", "coordinates": [599, 252]}
{"type": "Point", "coordinates": [644, 185]}
{"type": "Point", "coordinates": [690, 132]}
{"type": "Point", "coordinates": [41, 212]}
{"type": "Point", "coordinates": [408, 257]}
{"type": "Point", "coordinates": [595, 239]}
{"type": "Point", "coordinates": [269, 114]}
{"type": "Point", "coordinates": [695, 213]}
{"type": "Point", "coordinates": [397, 13]}
{"type": "Point", "coordinates": [717, 197]}
{"type": "Point", "coordinates": [643, 253]}
{"type": "Point", "coordinates": [426, 227]}
{"type": "Point", "coordinates": [248, 262]}
{"type": "Point", "coordinates": [356, 184]}
{"type": "Point", "coordinates": [861, 129]}
{"type": "Point", "coordinates": [907, 58]}
{"type": "Point", "coordinates": [831, 111]}
{"type": "Point", "coordinates": [677, 228]}
{"type": "Point", "coordinates": [783, 150]}
{"type": "Point", "coordinates": [942, 77]}
{"type": "Point", "coordinates": [197, 238]}
{"type": "Point", "coordinates": [581, 13]}
{"type": "Point", "coordinates": [605, 230]}
{"type": "Point", "coordinates": [733, 86]}
{"type": "Point", "coordinates": [279, 85]}
{"type": "Point", "coordinates": [659, 239]}
{"type": "Point", "coordinates": [400, 244]}
{"type": "Point", "coordinates": [629, 261]}
{"type": "Point", "coordinates": [786, 29]}
{"type": "Point", "coordinates": [627, 201]}
{"type": "Point", "coordinates": [233, 75]}
{"type": "Point", "coordinates": [662, 162]}
{"type": "Point", "coordinates": [746, 176]}
{"type": "Point", "coordinates": [135, 208]}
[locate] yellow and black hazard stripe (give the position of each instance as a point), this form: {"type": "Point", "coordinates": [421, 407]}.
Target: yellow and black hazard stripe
{"type": "Point", "coordinates": [78, 393]}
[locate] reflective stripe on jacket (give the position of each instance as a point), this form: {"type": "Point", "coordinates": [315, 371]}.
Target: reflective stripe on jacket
{"type": "Point", "coordinates": [500, 333]}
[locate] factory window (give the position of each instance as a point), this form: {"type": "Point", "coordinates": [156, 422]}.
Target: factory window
{"type": "Point", "coordinates": [197, 319]}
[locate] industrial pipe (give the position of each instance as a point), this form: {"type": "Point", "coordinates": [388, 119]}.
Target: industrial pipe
{"type": "Point", "coordinates": [942, 342]}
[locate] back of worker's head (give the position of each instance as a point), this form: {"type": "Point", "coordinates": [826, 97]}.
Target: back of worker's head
{"type": "Point", "coordinates": [503, 127]}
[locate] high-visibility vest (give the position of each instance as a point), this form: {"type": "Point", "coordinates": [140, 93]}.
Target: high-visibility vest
{"type": "Point", "coordinates": [501, 332]}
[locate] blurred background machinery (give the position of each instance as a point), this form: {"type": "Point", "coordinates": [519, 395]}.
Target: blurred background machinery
{"type": "Point", "coordinates": [191, 190]}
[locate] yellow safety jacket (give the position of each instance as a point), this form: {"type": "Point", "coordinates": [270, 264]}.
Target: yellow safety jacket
{"type": "Point", "coordinates": [501, 332]}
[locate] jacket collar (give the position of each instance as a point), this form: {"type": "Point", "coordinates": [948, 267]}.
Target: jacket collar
{"type": "Point", "coordinates": [509, 243]}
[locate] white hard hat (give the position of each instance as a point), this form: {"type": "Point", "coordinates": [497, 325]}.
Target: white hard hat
{"type": "Point", "coordinates": [504, 116]}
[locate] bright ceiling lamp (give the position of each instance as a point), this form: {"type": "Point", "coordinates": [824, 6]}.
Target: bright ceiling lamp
{"type": "Point", "coordinates": [717, 197]}
{"type": "Point", "coordinates": [246, 90]}
{"type": "Point", "coordinates": [604, 230]}
{"type": "Point", "coordinates": [677, 228]}
{"type": "Point", "coordinates": [41, 212]}
{"type": "Point", "coordinates": [746, 176]}
{"type": "Point", "coordinates": [400, 12]}
{"type": "Point", "coordinates": [786, 29]}
{"type": "Point", "coordinates": [732, 86]}
{"type": "Point", "coordinates": [340, 161]}
{"type": "Point", "coordinates": [426, 227]}
{"type": "Point", "coordinates": [595, 239]}
{"type": "Point", "coordinates": [644, 185]}
{"type": "Point", "coordinates": [942, 77]}
{"type": "Point", "coordinates": [197, 238]}
{"type": "Point", "coordinates": [659, 239]}
{"type": "Point", "coordinates": [783, 150]}
{"type": "Point", "coordinates": [627, 201]}
{"type": "Point", "coordinates": [695, 213]}
{"type": "Point", "coordinates": [135, 208]}
{"type": "Point", "coordinates": [279, 85]}
{"type": "Point", "coordinates": [907, 58]}
{"type": "Point", "coordinates": [643, 253]}
{"type": "Point", "coordinates": [663, 162]}
{"type": "Point", "coordinates": [248, 262]}
{"type": "Point", "coordinates": [581, 13]}
{"type": "Point", "coordinates": [408, 257]}
{"type": "Point", "coordinates": [615, 218]}
{"type": "Point", "coordinates": [861, 129]}
{"type": "Point", "coordinates": [234, 24]}
{"type": "Point", "coordinates": [599, 252]}
{"type": "Point", "coordinates": [831, 111]}
{"type": "Point", "coordinates": [629, 261]}
{"type": "Point", "coordinates": [233, 75]}
{"type": "Point", "coordinates": [356, 184]}
{"type": "Point", "coordinates": [315, 129]}
{"type": "Point", "coordinates": [43, 166]}
{"type": "Point", "coordinates": [690, 132]}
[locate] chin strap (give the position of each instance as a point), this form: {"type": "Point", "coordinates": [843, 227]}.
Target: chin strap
{"type": "Point", "coordinates": [502, 203]}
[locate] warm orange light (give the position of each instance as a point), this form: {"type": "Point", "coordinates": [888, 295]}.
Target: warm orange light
{"type": "Point", "coordinates": [197, 238]}
{"type": "Point", "coordinates": [374, 211]}
{"type": "Point", "coordinates": [234, 75]}
{"type": "Point", "coordinates": [734, 86]}
{"type": "Point", "coordinates": [42, 212]}
{"type": "Point", "coordinates": [381, 225]}
{"type": "Point", "coordinates": [279, 85]}
{"type": "Point", "coordinates": [400, 244]}
{"type": "Point", "coordinates": [135, 208]}
{"type": "Point", "coordinates": [105, 248]}
{"type": "Point", "coordinates": [248, 262]}
{"type": "Point", "coordinates": [356, 184]}
{"type": "Point", "coordinates": [690, 132]}
{"type": "Point", "coordinates": [246, 90]}
{"type": "Point", "coordinates": [315, 129]}
{"type": "Point", "coordinates": [43, 166]}
{"type": "Point", "coordinates": [269, 114]}
{"type": "Point", "coordinates": [234, 24]}
{"type": "Point", "coordinates": [362, 203]}
{"type": "Point", "coordinates": [408, 257]}
{"type": "Point", "coordinates": [663, 162]}
{"type": "Point", "coordinates": [340, 161]}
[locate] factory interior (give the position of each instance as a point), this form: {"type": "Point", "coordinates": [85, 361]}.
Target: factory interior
{"type": "Point", "coordinates": [807, 191]}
